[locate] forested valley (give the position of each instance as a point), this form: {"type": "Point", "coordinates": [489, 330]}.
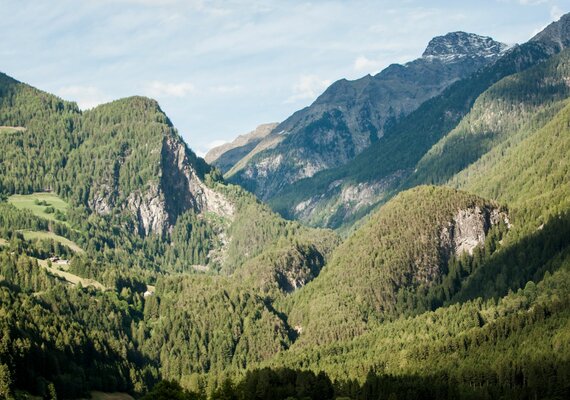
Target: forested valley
{"type": "Point", "coordinates": [128, 264]}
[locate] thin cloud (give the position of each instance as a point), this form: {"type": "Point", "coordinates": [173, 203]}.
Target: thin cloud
{"type": "Point", "coordinates": [556, 12]}
{"type": "Point", "coordinates": [532, 2]}
{"type": "Point", "coordinates": [308, 87]}
{"type": "Point", "coordinates": [226, 89]}
{"type": "Point", "coordinates": [166, 89]}
{"type": "Point", "coordinates": [364, 64]}
{"type": "Point", "coordinates": [86, 97]}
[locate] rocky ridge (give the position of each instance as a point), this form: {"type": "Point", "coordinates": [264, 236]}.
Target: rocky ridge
{"type": "Point", "coordinates": [227, 155]}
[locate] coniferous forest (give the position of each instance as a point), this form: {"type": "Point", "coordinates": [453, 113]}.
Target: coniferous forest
{"type": "Point", "coordinates": [128, 264]}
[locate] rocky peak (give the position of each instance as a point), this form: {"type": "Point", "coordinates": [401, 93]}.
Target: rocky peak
{"type": "Point", "coordinates": [456, 45]}
{"type": "Point", "coordinates": [556, 34]}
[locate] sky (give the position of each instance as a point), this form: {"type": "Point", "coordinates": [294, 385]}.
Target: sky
{"type": "Point", "coordinates": [220, 68]}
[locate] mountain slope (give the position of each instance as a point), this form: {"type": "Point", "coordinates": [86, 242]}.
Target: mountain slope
{"type": "Point", "coordinates": [226, 156]}
{"type": "Point", "coordinates": [515, 105]}
{"type": "Point", "coordinates": [396, 263]}
{"type": "Point", "coordinates": [145, 210]}
{"type": "Point", "coordinates": [350, 115]}
{"type": "Point", "coordinates": [343, 195]}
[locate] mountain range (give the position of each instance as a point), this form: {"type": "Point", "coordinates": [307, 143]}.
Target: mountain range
{"type": "Point", "coordinates": [129, 264]}
{"type": "Point", "coordinates": [351, 115]}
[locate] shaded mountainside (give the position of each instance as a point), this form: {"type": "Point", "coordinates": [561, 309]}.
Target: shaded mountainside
{"type": "Point", "coordinates": [351, 115]}
{"type": "Point", "coordinates": [343, 195]}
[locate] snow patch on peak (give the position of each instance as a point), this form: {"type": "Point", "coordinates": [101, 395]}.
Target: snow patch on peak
{"type": "Point", "coordinates": [456, 45]}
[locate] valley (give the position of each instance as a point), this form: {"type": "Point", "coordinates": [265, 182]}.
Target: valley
{"type": "Point", "coordinates": [405, 236]}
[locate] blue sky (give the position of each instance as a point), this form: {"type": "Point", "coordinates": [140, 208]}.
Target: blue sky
{"type": "Point", "coordinates": [220, 68]}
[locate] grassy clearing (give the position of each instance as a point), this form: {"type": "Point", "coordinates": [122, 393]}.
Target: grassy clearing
{"type": "Point", "coordinates": [39, 202]}
{"type": "Point", "coordinates": [3, 242]}
{"type": "Point", "coordinates": [10, 129]}
{"type": "Point", "coordinates": [39, 235]}
{"type": "Point", "coordinates": [71, 278]}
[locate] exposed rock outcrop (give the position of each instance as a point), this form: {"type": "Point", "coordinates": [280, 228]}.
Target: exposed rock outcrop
{"type": "Point", "coordinates": [469, 228]}
{"type": "Point", "coordinates": [180, 189]}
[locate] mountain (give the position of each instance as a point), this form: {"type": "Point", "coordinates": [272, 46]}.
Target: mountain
{"type": "Point", "coordinates": [227, 155]}
{"type": "Point", "coordinates": [351, 115]}
{"type": "Point", "coordinates": [340, 196]}
{"type": "Point", "coordinates": [117, 194]}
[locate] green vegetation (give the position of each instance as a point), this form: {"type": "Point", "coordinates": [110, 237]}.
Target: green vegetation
{"type": "Point", "coordinates": [35, 235]}
{"type": "Point", "coordinates": [395, 155]}
{"type": "Point", "coordinates": [44, 205]}
{"type": "Point", "coordinates": [511, 109]}
{"type": "Point", "coordinates": [58, 270]}
{"type": "Point", "coordinates": [442, 293]}
{"type": "Point", "coordinates": [396, 264]}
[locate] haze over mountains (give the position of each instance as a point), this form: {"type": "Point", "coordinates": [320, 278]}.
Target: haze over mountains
{"type": "Point", "coordinates": [128, 264]}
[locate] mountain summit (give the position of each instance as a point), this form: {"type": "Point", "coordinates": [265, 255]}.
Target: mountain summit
{"type": "Point", "coordinates": [456, 45]}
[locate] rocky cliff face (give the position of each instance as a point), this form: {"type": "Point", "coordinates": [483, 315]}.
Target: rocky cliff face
{"type": "Point", "coordinates": [469, 228]}
{"type": "Point", "coordinates": [137, 163]}
{"type": "Point", "coordinates": [179, 189]}
{"type": "Point", "coordinates": [555, 36]}
{"type": "Point", "coordinates": [350, 115]}
{"type": "Point", "coordinates": [457, 45]}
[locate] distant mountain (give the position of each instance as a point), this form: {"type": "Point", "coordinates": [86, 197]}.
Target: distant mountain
{"type": "Point", "coordinates": [556, 35]}
{"type": "Point", "coordinates": [227, 155]}
{"type": "Point", "coordinates": [351, 115]}
{"type": "Point", "coordinates": [342, 195]}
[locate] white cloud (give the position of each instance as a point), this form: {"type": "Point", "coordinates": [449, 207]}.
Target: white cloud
{"type": "Point", "coordinates": [532, 2]}
{"type": "Point", "coordinates": [308, 87]}
{"type": "Point", "coordinates": [555, 13]}
{"type": "Point", "coordinates": [86, 97]}
{"type": "Point", "coordinates": [165, 89]}
{"type": "Point", "coordinates": [364, 64]}
{"type": "Point", "coordinates": [226, 89]}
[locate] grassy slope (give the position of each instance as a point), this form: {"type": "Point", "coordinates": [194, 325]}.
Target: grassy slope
{"type": "Point", "coordinates": [69, 277]}
{"type": "Point", "coordinates": [513, 108]}
{"type": "Point", "coordinates": [533, 175]}
{"type": "Point", "coordinates": [38, 235]}
{"type": "Point", "coordinates": [28, 202]}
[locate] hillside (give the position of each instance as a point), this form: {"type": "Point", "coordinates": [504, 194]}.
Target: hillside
{"type": "Point", "coordinates": [351, 115]}
{"type": "Point", "coordinates": [125, 189]}
{"type": "Point", "coordinates": [399, 262]}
